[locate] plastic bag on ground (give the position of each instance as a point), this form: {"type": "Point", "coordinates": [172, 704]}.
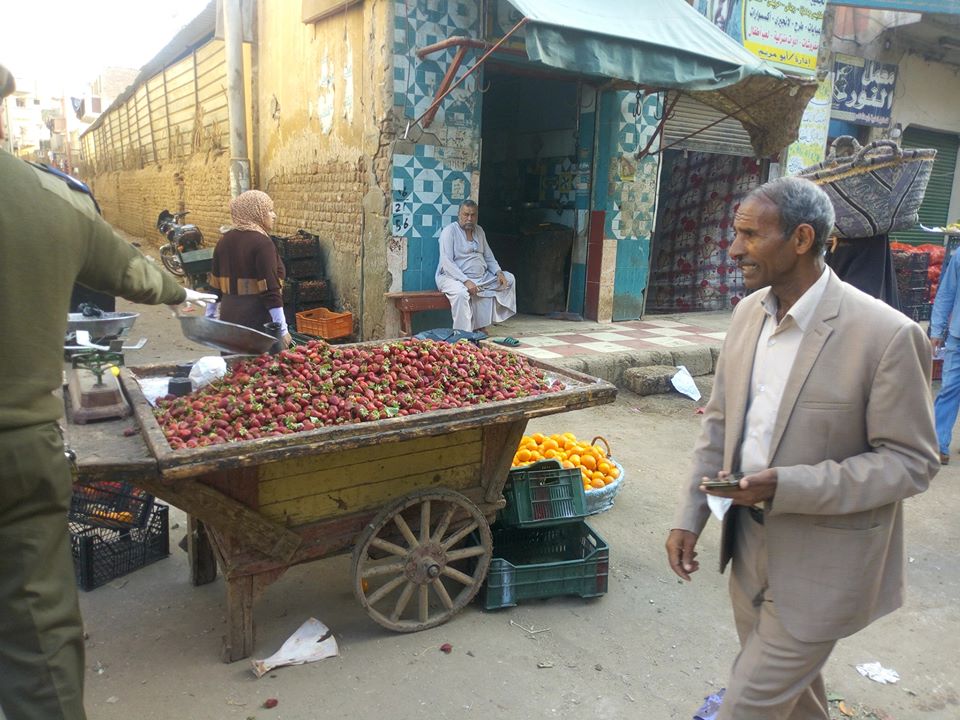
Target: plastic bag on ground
{"type": "Point", "coordinates": [683, 382]}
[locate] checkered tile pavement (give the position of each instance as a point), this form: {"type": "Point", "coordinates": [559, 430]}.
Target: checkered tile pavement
{"type": "Point", "coordinates": [636, 335]}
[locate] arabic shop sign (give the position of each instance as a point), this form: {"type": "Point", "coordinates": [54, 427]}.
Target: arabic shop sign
{"type": "Point", "coordinates": [862, 91]}
{"type": "Point", "coordinates": [785, 33]}
{"type": "Point", "coordinates": [814, 127]}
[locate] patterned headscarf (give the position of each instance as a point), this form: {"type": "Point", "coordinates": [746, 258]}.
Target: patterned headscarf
{"type": "Point", "coordinates": [251, 211]}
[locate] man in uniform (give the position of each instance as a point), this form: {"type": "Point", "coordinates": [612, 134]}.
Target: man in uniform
{"type": "Point", "coordinates": [50, 237]}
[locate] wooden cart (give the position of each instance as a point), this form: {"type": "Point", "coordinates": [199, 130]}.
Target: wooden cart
{"type": "Point", "coordinates": [413, 496]}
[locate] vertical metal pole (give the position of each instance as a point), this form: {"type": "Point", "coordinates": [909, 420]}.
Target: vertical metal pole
{"type": "Point", "coordinates": [236, 97]}
{"type": "Point", "coordinates": [66, 133]}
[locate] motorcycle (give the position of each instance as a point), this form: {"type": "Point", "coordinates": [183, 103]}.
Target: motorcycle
{"type": "Point", "coordinates": [181, 237]}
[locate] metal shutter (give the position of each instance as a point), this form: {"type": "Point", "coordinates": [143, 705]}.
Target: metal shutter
{"type": "Point", "coordinates": [727, 137]}
{"type": "Point", "coordinates": [936, 201]}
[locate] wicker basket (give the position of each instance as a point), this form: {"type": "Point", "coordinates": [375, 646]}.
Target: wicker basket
{"type": "Point", "coordinates": [323, 323]}
{"type": "Point", "coordinates": [876, 189]}
{"type": "Point", "coordinates": [601, 499]}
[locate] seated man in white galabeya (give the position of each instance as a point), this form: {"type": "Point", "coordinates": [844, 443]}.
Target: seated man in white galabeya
{"type": "Point", "coordinates": [480, 293]}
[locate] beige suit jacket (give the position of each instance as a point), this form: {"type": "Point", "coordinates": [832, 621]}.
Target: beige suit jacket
{"type": "Point", "coordinates": [853, 437]}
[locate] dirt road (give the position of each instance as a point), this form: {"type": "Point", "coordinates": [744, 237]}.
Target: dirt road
{"type": "Point", "coordinates": [652, 648]}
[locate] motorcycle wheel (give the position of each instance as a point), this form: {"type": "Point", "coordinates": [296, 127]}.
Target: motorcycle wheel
{"type": "Point", "coordinates": [171, 260]}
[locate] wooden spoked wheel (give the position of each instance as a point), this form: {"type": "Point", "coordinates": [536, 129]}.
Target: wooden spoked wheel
{"type": "Point", "coordinates": [421, 560]}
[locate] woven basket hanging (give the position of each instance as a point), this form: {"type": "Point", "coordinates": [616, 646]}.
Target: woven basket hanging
{"type": "Point", "coordinates": [876, 189]}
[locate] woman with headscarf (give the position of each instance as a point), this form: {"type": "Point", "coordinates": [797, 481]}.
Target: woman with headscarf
{"type": "Point", "coordinates": [247, 270]}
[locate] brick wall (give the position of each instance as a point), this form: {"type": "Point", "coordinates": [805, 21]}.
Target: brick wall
{"type": "Point", "coordinates": [325, 198]}
{"type": "Point", "coordinates": [132, 199]}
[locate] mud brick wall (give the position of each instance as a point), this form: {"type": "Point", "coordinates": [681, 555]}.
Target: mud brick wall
{"type": "Point", "coordinates": [132, 199]}
{"type": "Point", "coordinates": [325, 198]}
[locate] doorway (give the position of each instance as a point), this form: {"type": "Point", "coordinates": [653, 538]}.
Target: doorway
{"type": "Point", "coordinates": [535, 185]}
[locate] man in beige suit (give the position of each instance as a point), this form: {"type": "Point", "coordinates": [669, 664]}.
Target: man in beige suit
{"type": "Point", "coordinates": [821, 399]}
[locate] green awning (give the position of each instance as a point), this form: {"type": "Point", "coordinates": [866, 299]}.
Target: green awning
{"type": "Point", "coordinates": [667, 45]}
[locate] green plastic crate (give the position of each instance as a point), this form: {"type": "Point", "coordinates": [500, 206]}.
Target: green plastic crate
{"type": "Point", "coordinates": [197, 262]}
{"type": "Point", "coordinates": [544, 562]}
{"type": "Point", "coordinates": [543, 494]}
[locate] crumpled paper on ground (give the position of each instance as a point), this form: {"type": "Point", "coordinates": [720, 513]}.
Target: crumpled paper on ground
{"type": "Point", "coordinates": [876, 671]}
{"type": "Point", "coordinates": [683, 382]}
{"type": "Point", "coordinates": [312, 641]}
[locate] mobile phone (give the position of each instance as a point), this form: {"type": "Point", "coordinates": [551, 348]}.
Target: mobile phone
{"type": "Point", "coordinates": [732, 481]}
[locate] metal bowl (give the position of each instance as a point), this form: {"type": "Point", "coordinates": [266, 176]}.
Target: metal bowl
{"type": "Point", "coordinates": [109, 323]}
{"type": "Point", "coordinates": [228, 337]}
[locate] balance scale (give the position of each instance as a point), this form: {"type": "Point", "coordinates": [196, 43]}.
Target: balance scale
{"type": "Point", "coordinates": [91, 382]}
{"type": "Point", "coordinates": [94, 391]}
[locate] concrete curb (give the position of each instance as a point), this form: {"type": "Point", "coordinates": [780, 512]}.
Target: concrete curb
{"type": "Point", "coordinates": [614, 367]}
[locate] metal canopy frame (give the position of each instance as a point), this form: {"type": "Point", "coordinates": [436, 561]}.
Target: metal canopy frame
{"type": "Point", "coordinates": [463, 44]}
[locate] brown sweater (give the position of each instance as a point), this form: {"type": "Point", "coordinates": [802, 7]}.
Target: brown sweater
{"type": "Point", "coordinates": [248, 274]}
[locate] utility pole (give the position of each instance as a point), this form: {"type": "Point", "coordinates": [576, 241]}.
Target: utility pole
{"type": "Point", "coordinates": [66, 134]}
{"type": "Point", "coordinates": [236, 97]}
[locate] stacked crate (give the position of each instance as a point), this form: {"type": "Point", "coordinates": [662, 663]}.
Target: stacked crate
{"type": "Point", "coordinates": [115, 528]}
{"type": "Point", "coordinates": [541, 545]}
{"type": "Point", "coordinates": [305, 288]}
{"type": "Point", "coordinates": [913, 285]}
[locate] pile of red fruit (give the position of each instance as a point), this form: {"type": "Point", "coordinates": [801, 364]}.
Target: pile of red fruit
{"type": "Point", "coordinates": [319, 384]}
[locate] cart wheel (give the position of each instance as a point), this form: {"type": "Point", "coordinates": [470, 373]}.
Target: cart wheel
{"type": "Point", "coordinates": [170, 260]}
{"type": "Point", "coordinates": [432, 547]}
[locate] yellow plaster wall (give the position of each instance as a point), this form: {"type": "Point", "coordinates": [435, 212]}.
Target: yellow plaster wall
{"type": "Point", "coordinates": [321, 98]}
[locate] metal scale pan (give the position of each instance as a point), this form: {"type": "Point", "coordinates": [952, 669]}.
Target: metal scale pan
{"type": "Point", "coordinates": [228, 337]}
{"type": "Point", "coordinates": [108, 324]}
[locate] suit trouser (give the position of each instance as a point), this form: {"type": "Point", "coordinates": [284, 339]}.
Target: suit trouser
{"type": "Point", "coordinates": [775, 676]}
{"type": "Point", "coordinates": [41, 636]}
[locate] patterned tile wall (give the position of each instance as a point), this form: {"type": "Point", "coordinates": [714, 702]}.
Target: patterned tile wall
{"type": "Point", "coordinates": [426, 194]}
{"type": "Point", "coordinates": [431, 181]}
{"type": "Point", "coordinates": [632, 189]}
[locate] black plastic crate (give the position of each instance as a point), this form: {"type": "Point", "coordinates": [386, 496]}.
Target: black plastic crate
{"type": "Point", "coordinates": [304, 268]}
{"type": "Point", "coordinates": [301, 244]}
{"type": "Point", "coordinates": [312, 290]}
{"type": "Point", "coordinates": [110, 504]}
{"type": "Point", "coordinates": [911, 261]}
{"type": "Point", "coordinates": [103, 554]}
{"type": "Point", "coordinates": [915, 296]}
{"type": "Point", "coordinates": [918, 312]}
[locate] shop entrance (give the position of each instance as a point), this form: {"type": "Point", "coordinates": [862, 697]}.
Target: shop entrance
{"type": "Point", "coordinates": [533, 189]}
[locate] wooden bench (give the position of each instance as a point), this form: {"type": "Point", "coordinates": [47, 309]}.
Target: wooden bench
{"type": "Point", "coordinates": [416, 301]}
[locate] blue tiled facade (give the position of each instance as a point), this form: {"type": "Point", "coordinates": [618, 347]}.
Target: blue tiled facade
{"type": "Point", "coordinates": [430, 182]}
{"type": "Point", "coordinates": [439, 166]}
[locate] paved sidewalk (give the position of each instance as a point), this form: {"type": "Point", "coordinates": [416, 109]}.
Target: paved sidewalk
{"type": "Point", "coordinates": [545, 342]}
{"type": "Point", "coordinates": [608, 350]}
